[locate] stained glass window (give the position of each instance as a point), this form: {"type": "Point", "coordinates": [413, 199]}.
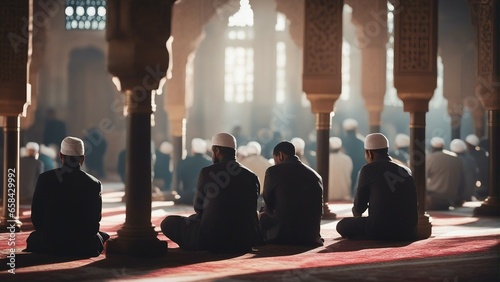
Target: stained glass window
{"type": "Point", "coordinates": [85, 14]}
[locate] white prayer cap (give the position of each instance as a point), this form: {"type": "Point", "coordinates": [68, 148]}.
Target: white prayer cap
{"type": "Point", "coordinates": [376, 141]}
{"type": "Point", "coordinates": [243, 151]}
{"type": "Point", "coordinates": [458, 146]}
{"type": "Point", "coordinates": [254, 148]}
{"type": "Point", "coordinates": [166, 147]}
{"type": "Point", "coordinates": [437, 142]}
{"type": "Point", "coordinates": [32, 146]}
{"type": "Point", "coordinates": [198, 146]}
{"type": "Point", "coordinates": [349, 124]}
{"type": "Point", "coordinates": [299, 144]}
{"type": "Point", "coordinates": [335, 143]}
{"type": "Point", "coordinates": [472, 139]}
{"type": "Point", "coordinates": [402, 140]}
{"type": "Point", "coordinates": [72, 146]}
{"type": "Point", "coordinates": [224, 140]}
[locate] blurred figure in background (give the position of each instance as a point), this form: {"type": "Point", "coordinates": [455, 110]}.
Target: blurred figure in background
{"type": "Point", "coordinates": [458, 147]}
{"type": "Point", "coordinates": [258, 164]}
{"type": "Point", "coordinates": [300, 146]}
{"type": "Point", "coordinates": [402, 153]}
{"type": "Point", "coordinates": [482, 161]}
{"type": "Point", "coordinates": [95, 148]}
{"type": "Point", "coordinates": [340, 170]}
{"type": "Point", "coordinates": [353, 144]}
{"type": "Point", "coordinates": [162, 170]}
{"type": "Point", "coordinates": [30, 168]}
{"type": "Point", "coordinates": [445, 177]}
{"type": "Point", "coordinates": [54, 130]}
{"type": "Point", "coordinates": [48, 156]}
{"type": "Point", "coordinates": [188, 170]}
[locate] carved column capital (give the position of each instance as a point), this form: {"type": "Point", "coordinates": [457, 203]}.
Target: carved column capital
{"type": "Point", "coordinates": [137, 32]}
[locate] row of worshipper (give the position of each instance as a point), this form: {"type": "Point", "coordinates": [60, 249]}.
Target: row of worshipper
{"type": "Point", "coordinates": [227, 191]}
{"type": "Point", "coordinates": [457, 175]}
{"type": "Point", "coordinates": [225, 218]}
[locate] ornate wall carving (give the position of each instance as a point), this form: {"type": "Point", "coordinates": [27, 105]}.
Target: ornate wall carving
{"type": "Point", "coordinates": [14, 44]}
{"type": "Point", "coordinates": [323, 37]}
{"type": "Point", "coordinates": [415, 38]}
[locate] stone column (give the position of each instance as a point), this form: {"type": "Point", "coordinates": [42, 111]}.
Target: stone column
{"type": "Point", "coordinates": [137, 32]}
{"type": "Point", "coordinates": [322, 76]}
{"type": "Point", "coordinates": [415, 78]}
{"type": "Point", "coordinates": [14, 99]}
{"type": "Point", "coordinates": [370, 18]}
{"type": "Point", "coordinates": [487, 18]}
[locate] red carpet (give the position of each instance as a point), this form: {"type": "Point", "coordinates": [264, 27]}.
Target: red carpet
{"type": "Point", "coordinates": [462, 248]}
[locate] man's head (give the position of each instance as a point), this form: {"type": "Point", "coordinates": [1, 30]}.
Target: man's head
{"type": "Point", "coordinates": [282, 151]}
{"type": "Point", "coordinates": [198, 146]}
{"type": "Point", "coordinates": [472, 141]}
{"type": "Point", "coordinates": [458, 146]}
{"type": "Point", "coordinates": [349, 125]}
{"type": "Point", "coordinates": [72, 151]}
{"type": "Point", "coordinates": [437, 144]}
{"type": "Point", "coordinates": [402, 141]}
{"type": "Point", "coordinates": [223, 145]}
{"type": "Point", "coordinates": [335, 144]}
{"type": "Point", "coordinates": [299, 144]}
{"type": "Point", "coordinates": [32, 149]}
{"type": "Point", "coordinates": [376, 145]}
{"type": "Point", "coordinates": [254, 148]}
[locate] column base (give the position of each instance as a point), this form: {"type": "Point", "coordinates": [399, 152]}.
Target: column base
{"type": "Point", "coordinates": [141, 242]}
{"type": "Point", "coordinates": [424, 226]}
{"type": "Point", "coordinates": [10, 226]}
{"type": "Point", "coordinates": [327, 214]}
{"type": "Point", "coordinates": [490, 207]}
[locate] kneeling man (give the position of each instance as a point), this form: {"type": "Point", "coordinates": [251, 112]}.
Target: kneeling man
{"type": "Point", "coordinates": [388, 191]}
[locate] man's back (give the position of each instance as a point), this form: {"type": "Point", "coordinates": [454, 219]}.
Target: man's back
{"type": "Point", "coordinates": [67, 198]}
{"type": "Point", "coordinates": [444, 175]}
{"type": "Point", "coordinates": [339, 175]}
{"type": "Point", "coordinates": [293, 193]}
{"type": "Point", "coordinates": [388, 191]}
{"type": "Point", "coordinates": [226, 199]}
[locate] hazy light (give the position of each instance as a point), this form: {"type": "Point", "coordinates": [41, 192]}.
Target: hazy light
{"type": "Point", "coordinates": [69, 11]}
{"type": "Point", "coordinates": [244, 16]}
{"type": "Point", "coordinates": [101, 11]}
{"type": "Point", "coordinates": [80, 11]}
{"type": "Point", "coordinates": [91, 11]}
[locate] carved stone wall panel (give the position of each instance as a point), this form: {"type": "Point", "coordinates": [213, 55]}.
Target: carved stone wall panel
{"type": "Point", "coordinates": [415, 37]}
{"type": "Point", "coordinates": [485, 38]}
{"type": "Point", "coordinates": [323, 37]}
{"type": "Point", "coordinates": [14, 44]}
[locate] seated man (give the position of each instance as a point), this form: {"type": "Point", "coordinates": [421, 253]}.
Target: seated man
{"type": "Point", "coordinates": [388, 190]}
{"type": "Point", "coordinates": [293, 196]}
{"type": "Point", "coordinates": [66, 208]}
{"type": "Point", "coordinates": [225, 204]}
